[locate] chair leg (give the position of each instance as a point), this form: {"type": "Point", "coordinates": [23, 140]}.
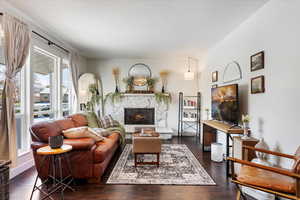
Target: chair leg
{"type": "Point", "coordinates": [238, 195]}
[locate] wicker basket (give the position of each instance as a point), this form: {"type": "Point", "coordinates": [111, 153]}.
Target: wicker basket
{"type": "Point", "coordinates": [4, 180]}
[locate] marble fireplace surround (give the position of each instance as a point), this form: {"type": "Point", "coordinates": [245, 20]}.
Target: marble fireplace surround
{"type": "Point", "coordinates": [139, 101]}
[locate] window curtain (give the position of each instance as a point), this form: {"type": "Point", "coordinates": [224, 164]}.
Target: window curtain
{"type": "Point", "coordinates": [74, 65]}
{"type": "Point", "coordinates": [16, 48]}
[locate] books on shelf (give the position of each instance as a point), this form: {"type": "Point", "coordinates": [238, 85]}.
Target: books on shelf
{"type": "Point", "coordinates": [189, 103]}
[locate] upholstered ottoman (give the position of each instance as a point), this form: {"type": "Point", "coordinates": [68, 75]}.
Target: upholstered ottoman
{"type": "Point", "coordinates": [149, 144]}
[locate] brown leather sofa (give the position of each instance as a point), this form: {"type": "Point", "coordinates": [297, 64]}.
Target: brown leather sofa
{"type": "Point", "coordinates": [89, 159]}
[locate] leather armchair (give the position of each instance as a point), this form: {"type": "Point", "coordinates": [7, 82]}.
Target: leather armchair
{"type": "Point", "coordinates": [88, 158]}
{"type": "Point", "coordinates": [278, 181]}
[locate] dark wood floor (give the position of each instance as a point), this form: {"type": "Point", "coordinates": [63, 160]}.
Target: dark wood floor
{"type": "Point", "coordinates": [21, 186]}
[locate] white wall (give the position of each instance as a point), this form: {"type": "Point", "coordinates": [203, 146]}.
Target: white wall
{"type": "Point", "coordinates": [176, 83]}
{"type": "Point", "coordinates": [275, 114]}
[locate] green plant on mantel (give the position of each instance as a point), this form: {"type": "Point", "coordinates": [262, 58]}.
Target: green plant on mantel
{"type": "Point", "coordinates": [129, 83]}
{"type": "Point", "coordinates": [163, 98]}
{"type": "Point", "coordinates": [114, 97]}
{"type": "Point", "coordinates": [95, 97]}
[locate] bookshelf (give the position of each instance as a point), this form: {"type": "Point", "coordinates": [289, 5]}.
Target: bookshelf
{"type": "Point", "coordinates": [189, 114]}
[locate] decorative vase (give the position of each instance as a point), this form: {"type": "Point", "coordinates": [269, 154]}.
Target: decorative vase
{"type": "Point", "coordinates": [55, 142]}
{"type": "Point", "coordinates": [163, 89]}
{"type": "Point", "coordinates": [246, 131]}
{"type": "Point", "coordinates": [151, 88]}
{"type": "Point", "coordinates": [117, 89]}
{"type": "Point", "coordinates": [262, 157]}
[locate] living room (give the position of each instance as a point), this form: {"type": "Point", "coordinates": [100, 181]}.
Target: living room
{"type": "Point", "coordinates": [149, 100]}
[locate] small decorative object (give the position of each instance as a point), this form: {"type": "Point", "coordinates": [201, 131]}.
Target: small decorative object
{"type": "Point", "coordinates": [151, 83]}
{"type": "Point", "coordinates": [257, 61]}
{"type": "Point", "coordinates": [189, 75]}
{"type": "Point", "coordinates": [163, 75]}
{"type": "Point", "coordinates": [55, 142]}
{"type": "Point", "coordinates": [207, 113]}
{"type": "Point", "coordinates": [214, 76]}
{"type": "Point", "coordinates": [129, 83]}
{"type": "Point", "coordinates": [258, 85]}
{"type": "Point", "coordinates": [245, 120]}
{"type": "Point", "coordinates": [116, 74]}
{"type": "Point", "coordinates": [214, 86]}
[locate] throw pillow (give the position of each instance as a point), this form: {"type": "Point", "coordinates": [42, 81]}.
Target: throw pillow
{"type": "Point", "coordinates": [92, 119]}
{"type": "Point", "coordinates": [108, 122]}
{"type": "Point", "coordinates": [81, 132]}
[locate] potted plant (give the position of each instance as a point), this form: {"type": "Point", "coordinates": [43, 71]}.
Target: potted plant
{"type": "Point", "coordinates": [151, 83]}
{"type": "Point", "coordinates": [95, 97]}
{"type": "Point", "coordinates": [114, 97]}
{"type": "Point", "coordinates": [164, 98]}
{"type": "Point", "coordinates": [245, 121]}
{"type": "Point", "coordinates": [129, 83]}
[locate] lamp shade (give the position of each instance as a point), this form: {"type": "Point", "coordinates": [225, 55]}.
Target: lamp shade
{"type": "Point", "coordinates": [189, 76]}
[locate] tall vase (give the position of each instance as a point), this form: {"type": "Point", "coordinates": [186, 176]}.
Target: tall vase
{"type": "Point", "coordinates": [163, 89]}
{"type": "Point", "coordinates": [246, 131]}
{"type": "Point", "coordinates": [117, 89]}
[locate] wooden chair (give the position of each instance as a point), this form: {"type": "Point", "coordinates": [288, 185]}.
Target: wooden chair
{"type": "Point", "coordinates": [278, 181]}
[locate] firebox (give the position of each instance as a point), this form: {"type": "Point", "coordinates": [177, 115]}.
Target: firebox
{"type": "Point", "coordinates": [145, 116]}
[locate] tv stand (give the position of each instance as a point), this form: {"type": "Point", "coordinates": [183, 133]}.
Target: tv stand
{"type": "Point", "coordinates": [210, 131]}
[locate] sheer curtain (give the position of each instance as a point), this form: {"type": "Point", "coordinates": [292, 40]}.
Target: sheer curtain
{"type": "Point", "coordinates": [16, 49]}
{"type": "Point", "coordinates": [74, 65]}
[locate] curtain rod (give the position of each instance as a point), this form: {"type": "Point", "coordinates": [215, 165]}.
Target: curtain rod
{"type": "Point", "coordinates": [49, 41]}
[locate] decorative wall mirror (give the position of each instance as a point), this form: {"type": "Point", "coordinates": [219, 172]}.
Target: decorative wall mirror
{"type": "Point", "coordinates": [140, 72]}
{"type": "Point", "coordinates": [232, 72]}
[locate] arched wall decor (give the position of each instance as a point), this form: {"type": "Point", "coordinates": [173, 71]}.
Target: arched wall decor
{"type": "Point", "coordinates": [232, 72]}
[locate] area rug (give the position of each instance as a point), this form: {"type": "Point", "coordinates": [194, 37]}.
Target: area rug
{"type": "Point", "coordinates": [178, 166]}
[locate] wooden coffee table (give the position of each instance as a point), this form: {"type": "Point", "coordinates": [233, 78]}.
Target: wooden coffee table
{"type": "Point", "coordinates": [147, 143]}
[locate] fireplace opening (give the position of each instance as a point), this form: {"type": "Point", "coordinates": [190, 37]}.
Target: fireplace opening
{"type": "Point", "coordinates": [144, 116]}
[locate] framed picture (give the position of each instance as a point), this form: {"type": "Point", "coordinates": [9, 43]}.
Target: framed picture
{"type": "Point", "coordinates": [214, 77]}
{"type": "Point", "coordinates": [258, 85]}
{"type": "Point", "coordinates": [257, 61]}
{"type": "Point", "coordinates": [214, 86]}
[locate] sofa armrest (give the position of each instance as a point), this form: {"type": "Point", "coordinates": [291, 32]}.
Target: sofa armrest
{"type": "Point", "coordinates": [80, 143]}
{"type": "Point", "coordinates": [36, 145]}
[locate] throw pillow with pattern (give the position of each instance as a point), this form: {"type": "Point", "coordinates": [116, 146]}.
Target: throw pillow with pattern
{"type": "Point", "coordinates": [108, 122]}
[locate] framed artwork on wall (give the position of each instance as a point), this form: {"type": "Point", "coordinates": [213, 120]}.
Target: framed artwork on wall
{"type": "Point", "coordinates": [257, 61]}
{"type": "Point", "coordinates": [214, 76]}
{"type": "Point", "coordinates": [258, 85]}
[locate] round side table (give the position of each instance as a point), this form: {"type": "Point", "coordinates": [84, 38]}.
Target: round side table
{"type": "Point", "coordinates": [55, 172]}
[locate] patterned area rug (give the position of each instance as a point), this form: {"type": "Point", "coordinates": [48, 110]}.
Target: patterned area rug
{"type": "Point", "coordinates": [178, 166]}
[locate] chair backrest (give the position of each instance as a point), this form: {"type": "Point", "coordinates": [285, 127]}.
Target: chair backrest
{"type": "Point", "coordinates": [296, 166]}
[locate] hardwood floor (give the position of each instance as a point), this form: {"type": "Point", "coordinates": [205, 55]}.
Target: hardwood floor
{"type": "Point", "coordinates": [21, 186]}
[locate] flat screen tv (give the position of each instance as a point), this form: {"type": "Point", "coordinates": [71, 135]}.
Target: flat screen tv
{"type": "Point", "coordinates": [225, 104]}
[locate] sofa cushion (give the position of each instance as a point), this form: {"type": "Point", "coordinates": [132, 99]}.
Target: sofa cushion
{"type": "Point", "coordinates": [108, 122]}
{"type": "Point", "coordinates": [79, 120]}
{"type": "Point", "coordinates": [65, 124]}
{"type": "Point", "coordinates": [43, 130]}
{"type": "Point", "coordinates": [105, 147]}
{"type": "Point", "coordinates": [80, 144]}
{"type": "Point", "coordinates": [82, 132]}
{"type": "Point", "coordinates": [266, 179]}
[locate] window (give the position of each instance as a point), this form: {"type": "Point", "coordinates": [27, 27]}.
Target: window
{"type": "Point", "coordinates": [66, 88]}
{"type": "Point", "coordinates": [43, 78]}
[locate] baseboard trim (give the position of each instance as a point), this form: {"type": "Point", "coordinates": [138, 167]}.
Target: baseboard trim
{"type": "Point", "coordinates": [21, 168]}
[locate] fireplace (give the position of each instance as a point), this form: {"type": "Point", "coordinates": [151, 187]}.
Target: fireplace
{"type": "Point", "coordinates": [144, 116]}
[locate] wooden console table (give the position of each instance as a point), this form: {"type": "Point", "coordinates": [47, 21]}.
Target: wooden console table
{"type": "Point", "coordinates": [209, 133]}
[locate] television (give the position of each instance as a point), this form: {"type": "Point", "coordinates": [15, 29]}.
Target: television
{"type": "Point", "coordinates": [225, 104]}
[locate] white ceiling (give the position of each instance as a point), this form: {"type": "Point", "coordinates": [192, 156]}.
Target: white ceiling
{"type": "Point", "coordinates": [139, 28]}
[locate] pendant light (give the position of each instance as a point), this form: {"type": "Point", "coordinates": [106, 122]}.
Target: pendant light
{"type": "Point", "coordinates": [189, 76]}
